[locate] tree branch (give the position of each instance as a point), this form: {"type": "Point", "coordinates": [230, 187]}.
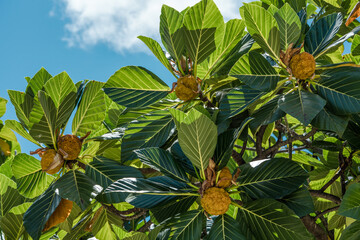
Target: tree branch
{"type": "Point", "coordinates": [320, 194]}
{"type": "Point", "coordinates": [258, 144]}
{"type": "Point", "coordinates": [325, 212]}
{"type": "Point", "coordinates": [138, 212]}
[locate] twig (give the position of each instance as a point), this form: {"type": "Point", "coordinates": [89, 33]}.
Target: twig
{"type": "Point", "coordinates": [326, 211]}
{"type": "Point", "coordinates": [259, 138]}
{"type": "Point", "coordinates": [237, 157]}
{"type": "Point", "coordinates": [145, 227]}
{"type": "Point", "coordinates": [318, 232]}
{"type": "Point", "coordinates": [138, 212]}
{"type": "Point", "coordinates": [320, 194]}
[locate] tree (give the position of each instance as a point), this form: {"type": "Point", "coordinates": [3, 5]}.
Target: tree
{"type": "Point", "coordinates": [257, 139]}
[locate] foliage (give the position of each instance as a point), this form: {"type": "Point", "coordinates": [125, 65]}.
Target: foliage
{"type": "Point", "coordinates": [147, 157]}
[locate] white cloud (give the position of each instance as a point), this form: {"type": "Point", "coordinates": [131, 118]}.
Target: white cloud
{"type": "Point", "coordinates": [117, 23]}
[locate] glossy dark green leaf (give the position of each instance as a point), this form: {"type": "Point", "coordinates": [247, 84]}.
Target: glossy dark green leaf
{"type": "Point", "coordinates": [300, 202]}
{"type": "Point", "coordinates": [226, 228]}
{"type": "Point", "coordinates": [77, 187]}
{"type": "Point", "coordinates": [352, 232]}
{"type": "Point", "coordinates": [105, 171]}
{"type": "Point", "coordinates": [302, 105]}
{"type": "Point", "coordinates": [321, 33]}
{"type": "Point", "coordinates": [352, 134]}
{"type": "Point", "coordinates": [273, 178]}
{"type": "Point", "coordinates": [187, 225]}
{"type": "Point", "coordinates": [37, 82]}
{"type": "Point", "coordinates": [22, 103]}
{"type": "Point", "coordinates": [162, 161]}
{"type": "Point", "coordinates": [39, 212]}
{"type": "Point", "coordinates": [9, 196]}
{"type": "Point", "coordinates": [350, 205]}
{"type": "Point", "coordinates": [327, 120]}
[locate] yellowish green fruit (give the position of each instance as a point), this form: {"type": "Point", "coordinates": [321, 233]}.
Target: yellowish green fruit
{"type": "Point", "coordinates": [69, 146]}
{"type": "Point", "coordinates": [187, 88]}
{"type": "Point", "coordinates": [302, 65]}
{"type": "Point", "coordinates": [51, 161]}
{"type": "Point", "coordinates": [215, 201]}
{"type": "Point", "coordinates": [225, 178]}
{"type": "Point", "coordinates": [5, 148]}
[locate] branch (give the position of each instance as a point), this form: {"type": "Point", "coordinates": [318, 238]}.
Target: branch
{"type": "Point", "coordinates": [318, 232]}
{"type": "Point", "coordinates": [320, 194]}
{"type": "Point", "coordinates": [138, 212]}
{"type": "Point", "coordinates": [237, 157]}
{"type": "Point", "coordinates": [145, 227]}
{"type": "Point", "coordinates": [259, 138]}
{"type": "Point", "coordinates": [326, 211]}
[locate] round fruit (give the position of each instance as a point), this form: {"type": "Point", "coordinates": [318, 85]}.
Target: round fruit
{"type": "Point", "coordinates": [51, 161]}
{"type": "Point", "coordinates": [225, 178]}
{"type": "Point", "coordinates": [69, 146]}
{"type": "Point", "coordinates": [215, 201]}
{"type": "Point", "coordinates": [60, 214]}
{"type": "Point", "coordinates": [302, 65]}
{"type": "Point", "coordinates": [186, 88]}
{"type": "Point", "coordinates": [5, 148]}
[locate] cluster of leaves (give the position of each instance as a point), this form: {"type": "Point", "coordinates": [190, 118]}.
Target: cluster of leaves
{"type": "Point", "coordinates": [142, 170]}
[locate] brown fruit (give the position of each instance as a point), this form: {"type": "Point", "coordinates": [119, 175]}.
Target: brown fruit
{"type": "Point", "coordinates": [302, 65]}
{"type": "Point", "coordinates": [69, 146]}
{"type": "Point", "coordinates": [51, 161]}
{"type": "Point", "coordinates": [187, 88]}
{"type": "Point", "coordinates": [215, 201]}
{"type": "Point", "coordinates": [225, 178]}
{"type": "Point", "coordinates": [60, 214]}
{"type": "Point", "coordinates": [5, 148]}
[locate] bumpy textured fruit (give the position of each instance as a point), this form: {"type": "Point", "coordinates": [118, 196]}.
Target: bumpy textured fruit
{"type": "Point", "coordinates": [215, 201]}
{"type": "Point", "coordinates": [302, 65]}
{"type": "Point", "coordinates": [186, 88]}
{"type": "Point", "coordinates": [60, 214]}
{"type": "Point", "coordinates": [225, 178]}
{"type": "Point", "coordinates": [51, 161]}
{"type": "Point", "coordinates": [5, 148]}
{"type": "Point", "coordinates": [69, 146]}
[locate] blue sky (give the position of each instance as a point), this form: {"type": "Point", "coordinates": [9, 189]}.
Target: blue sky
{"type": "Point", "coordinates": [88, 39]}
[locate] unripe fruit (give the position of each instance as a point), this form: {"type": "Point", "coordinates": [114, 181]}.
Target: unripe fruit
{"type": "Point", "coordinates": [5, 148]}
{"type": "Point", "coordinates": [69, 146]}
{"type": "Point", "coordinates": [187, 88]}
{"type": "Point", "coordinates": [215, 201]}
{"type": "Point", "coordinates": [302, 65]}
{"type": "Point", "coordinates": [51, 161]}
{"type": "Point", "coordinates": [60, 214]}
{"type": "Point", "coordinates": [225, 178]}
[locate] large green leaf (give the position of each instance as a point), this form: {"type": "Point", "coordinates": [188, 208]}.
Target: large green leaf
{"type": "Point", "coordinates": [187, 225]}
{"type": "Point", "coordinates": [321, 33]}
{"type": "Point", "coordinates": [171, 23]}
{"type": "Point", "coordinates": [197, 138]}
{"type": "Point", "coordinates": [22, 104]}
{"type": "Point", "coordinates": [300, 202]}
{"type": "Point", "coordinates": [226, 228]}
{"type": "Point", "coordinates": [12, 226]}
{"type": "Point", "coordinates": [350, 205]}
{"type": "Point", "coordinates": [37, 82]}
{"type": "Point", "coordinates": [255, 71]}
{"type": "Point", "coordinates": [156, 49]}
{"type": "Point", "coordinates": [91, 110]}
{"type": "Point", "coordinates": [2, 106]}
{"type": "Point", "coordinates": [105, 171]}
{"type": "Point", "coordinates": [150, 130]}
{"type": "Point", "coordinates": [162, 161]}
{"type": "Point", "coordinates": [289, 25]}
{"type": "Point", "coordinates": [19, 129]}
{"type": "Point", "coordinates": [31, 180]}
{"type": "Point", "coordinates": [104, 225]}
{"type": "Point", "coordinates": [134, 86]}
{"type": "Point", "coordinates": [39, 212]}
{"type": "Point", "coordinates": [204, 27]}
{"type": "Point", "coordinates": [341, 89]}
{"type": "Point", "coordinates": [9, 196]}
{"type": "Point", "coordinates": [273, 178]}
{"type": "Point", "coordinates": [269, 219]}
{"type": "Point", "coordinates": [77, 187]}
{"type": "Point", "coordinates": [302, 105]}
{"type": "Point", "coordinates": [236, 101]}
{"type": "Point", "coordinates": [352, 232]}
{"type": "Point", "coordinates": [263, 28]}
{"type": "Point", "coordinates": [326, 120]}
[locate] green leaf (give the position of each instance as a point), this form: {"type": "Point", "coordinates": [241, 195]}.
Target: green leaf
{"type": "Point", "coordinates": [19, 129]}
{"type": "Point", "coordinates": [31, 180]}
{"type": "Point", "coordinates": [341, 89]}
{"type": "Point", "coordinates": [150, 130]}
{"type": "Point", "coordinates": [273, 178]}
{"type": "Point", "coordinates": [39, 212]}
{"type": "Point", "coordinates": [350, 205]}
{"type": "Point", "coordinates": [269, 219]}
{"type": "Point", "coordinates": [22, 105]}
{"type": "Point", "coordinates": [256, 72]}
{"type": "Point", "coordinates": [355, 46]}
{"type": "Point", "coordinates": [12, 226]}
{"type": "Point", "coordinates": [297, 5]}
{"type": "Point", "coordinates": [204, 27]}
{"type": "Point", "coordinates": [263, 27]}
{"type": "Point", "coordinates": [59, 87]}
{"type": "Point", "coordinates": [77, 187]}
{"type": "Point", "coordinates": [197, 138]}
{"type": "Point", "coordinates": [352, 232]}
{"type": "Point", "coordinates": [236, 101]}
{"type": "Point", "coordinates": [104, 225]}
{"type": "Point", "coordinates": [37, 82]}
{"type": "Point", "coordinates": [289, 26]}
{"type": "Point", "coordinates": [156, 49]}
{"type": "Point", "coordinates": [300, 202]}
{"type": "Point", "coordinates": [302, 105]}
{"type": "Point", "coordinates": [171, 23]}
{"type": "Point", "coordinates": [326, 120]}
{"type": "Point", "coordinates": [9, 196]}
{"type": "Point", "coordinates": [321, 33]}
{"type": "Point", "coordinates": [2, 106]}
{"type": "Point", "coordinates": [187, 225]}
{"type": "Point", "coordinates": [178, 116]}
{"type": "Point", "coordinates": [105, 171]}
{"type": "Point", "coordinates": [162, 161]}
{"type": "Point", "coordinates": [133, 86]}
{"type": "Point", "coordinates": [226, 228]}
{"type": "Point", "coordinates": [91, 110]}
